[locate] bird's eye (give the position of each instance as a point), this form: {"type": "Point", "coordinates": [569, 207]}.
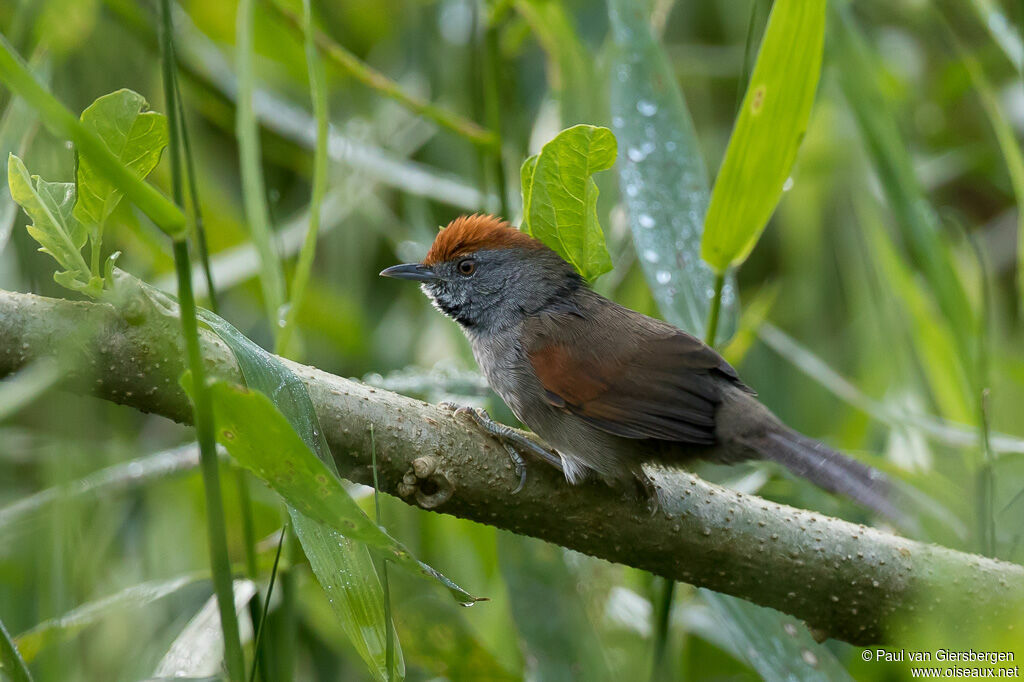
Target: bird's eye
{"type": "Point", "coordinates": [466, 266]}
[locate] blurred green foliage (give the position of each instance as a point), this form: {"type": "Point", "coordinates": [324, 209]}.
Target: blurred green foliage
{"type": "Point", "coordinates": [893, 256]}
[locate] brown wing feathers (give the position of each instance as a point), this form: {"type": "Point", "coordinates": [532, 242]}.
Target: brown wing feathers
{"type": "Point", "coordinates": [665, 387]}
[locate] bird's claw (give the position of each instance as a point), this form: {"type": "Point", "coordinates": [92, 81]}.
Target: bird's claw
{"type": "Point", "coordinates": [509, 438]}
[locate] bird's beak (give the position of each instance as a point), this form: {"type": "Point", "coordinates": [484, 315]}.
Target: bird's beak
{"type": "Point", "coordinates": [413, 271]}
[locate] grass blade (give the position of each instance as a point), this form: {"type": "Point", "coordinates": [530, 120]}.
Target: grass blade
{"type": "Point", "coordinates": [318, 91]}
{"type": "Point", "coordinates": [257, 643]}
{"type": "Point", "coordinates": [371, 78]}
{"type": "Point", "coordinates": [859, 77]}
{"type": "Point", "coordinates": [1009, 147]}
{"type": "Point", "coordinates": [661, 174]}
{"type": "Point", "coordinates": [56, 630]}
{"type": "Point", "coordinates": [104, 483]}
{"type": "Point", "coordinates": [768, 132]}
{"type": "Point", "coordinates": [17, 128]}
{"type": "Point", "coordinates": [251, 162]}
{"type": "Point", "coordinates": [11, 663]}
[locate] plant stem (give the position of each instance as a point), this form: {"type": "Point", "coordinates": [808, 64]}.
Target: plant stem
{"type": "Point", "coordinates": [492, 104]}
{"type": "Point", "coordinates": [266, 606]}
{"type": "Point", "coordinates": [374, 79]}
{"type": "Point", "coordinates": [203, 415]}
{"type": "Point", "coordinates": [662, 624]}
{"type": "Point", "coordinates": [716, 308]}
{"type": "Point", "coordinates": [389, 635]}
{"type": "Point", "coordinates": [318, 92]}
{"type": "Point", "coordinates": [202, 405]}
{"type": "Point", "coordinates": [15, 75]}
{"type": "Point", "coordinates": [253, 189]}
{"type": "Point", "coordinates": [197, 210]}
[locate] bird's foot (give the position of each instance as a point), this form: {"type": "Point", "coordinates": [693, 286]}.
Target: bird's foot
{"type": "Point", "coordinates": [510, 439]}
{"type": "Point", "coordinates": [647, 491]}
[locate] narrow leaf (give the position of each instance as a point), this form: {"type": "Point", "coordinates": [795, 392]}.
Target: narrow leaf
{"type": "Point", "coordinates": [560, 197]}
{"type": "Point", "coordinates": [346, 572]}
{"type": "Point", "coordinates": [17, 128]}
{"type": "Point", "coordinates": [662, 175]}
{"type": "Point", "coordinates": [57, 630]}
{"type": "Point", "coordinates": [198, 651]}
{"type": "Point", "coordinates": [11, 663]}
{"type": "Point", "coordinates": [768, 132]}
{"type": "Point", "coordinates": [917, 220]}
{"type": "Point", "coordinates": [134, 135]}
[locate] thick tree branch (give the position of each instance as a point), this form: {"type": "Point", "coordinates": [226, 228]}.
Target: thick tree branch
{"type": "Point", "coordinates": [852, 582]}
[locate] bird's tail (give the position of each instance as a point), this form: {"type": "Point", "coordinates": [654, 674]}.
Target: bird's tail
{"type": "Point", "coordinates": [828, 469]}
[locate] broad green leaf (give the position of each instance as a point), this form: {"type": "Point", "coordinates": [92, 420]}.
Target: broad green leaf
{"type": "Point", "coordinates": [260, 439]}
{"type": "Point", "coordinates": [11, 664]}
{"type": "Point", "coordinates": [56, 630]}
{"type": "Point", "coordinates": [662, 176]}
{"type": "Point", "coordinates": [133, 134]}
{"type": "Point", "coordinates": [777, 646]}
{"type": "Point", "coordinates": [343, 568]}
{"type": "Point", "coordinates": [768, 132]}
{"type": "Point", "coordinates": [49, 205]}
{"type": "Point", "coordinates": [560, 197]}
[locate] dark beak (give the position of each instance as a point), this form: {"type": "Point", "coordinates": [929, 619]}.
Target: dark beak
{"type": "Point", "coordinates": [413, 271]}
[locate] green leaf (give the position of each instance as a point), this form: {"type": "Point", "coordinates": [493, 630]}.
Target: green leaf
{"type": "Point", "coordinates": [662, 176]}
{"type": "Point", "coordinates": [265, 373]}
{"type": "Point", "coordinates": [768, 132]}
{"type": "Point", "coordinates": [17, 127]}
{"type": "Point", "coordinates": [777, 646]}
{"type": "Point", "coordinates": [260, 439]}
{"type": "Point", "coordinates": [135, 136]}
{"type": "Point", "coordinates": [343, 568]}
{"type": "Point", "coordinates": [346, 572]}
{"type": "Point", "coordinates": [49, 205]}
{"type": "Point", "coordinates": [560, 197]}
{"type": "Point", "coordinates": [11, 664]}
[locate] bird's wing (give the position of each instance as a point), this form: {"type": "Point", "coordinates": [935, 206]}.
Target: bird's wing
{"type": "Point", "coordinates": [653, 381]}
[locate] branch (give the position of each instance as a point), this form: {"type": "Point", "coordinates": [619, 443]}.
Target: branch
{"type": "Point", "coordinates": [851, 582]}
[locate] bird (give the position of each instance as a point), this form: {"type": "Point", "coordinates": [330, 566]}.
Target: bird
{"type": "Point", "coordinates": [607, 387]}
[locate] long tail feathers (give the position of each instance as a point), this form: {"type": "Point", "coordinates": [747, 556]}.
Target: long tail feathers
{"type": "Point", "coordinates": [830, 470]}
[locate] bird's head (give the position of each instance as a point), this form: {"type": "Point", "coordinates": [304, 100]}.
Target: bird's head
{"type": "Point", "coordinates": [486, 274]}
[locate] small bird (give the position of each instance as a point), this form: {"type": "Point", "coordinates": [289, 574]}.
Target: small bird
{"type": "Point", "coordinates": [607, 387]}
